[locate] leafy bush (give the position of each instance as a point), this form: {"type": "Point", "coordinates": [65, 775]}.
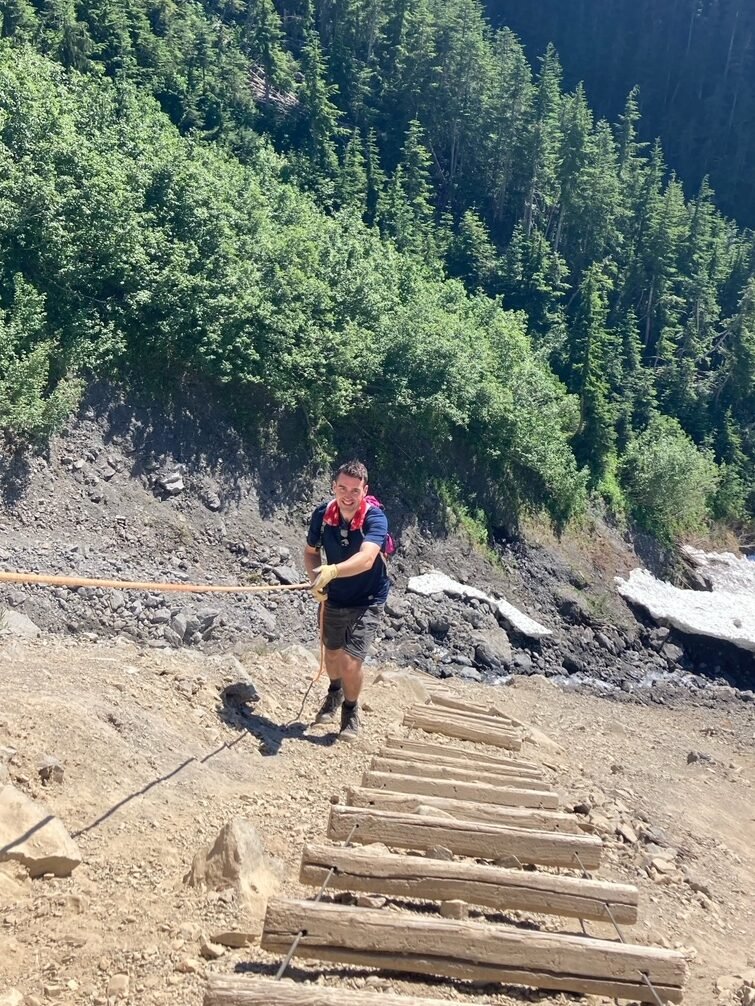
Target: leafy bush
{"type": "Point", "coordinates": [668, 481]}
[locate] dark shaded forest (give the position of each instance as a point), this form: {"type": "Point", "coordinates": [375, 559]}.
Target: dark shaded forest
{"type": "Point", "coordinates": [692, 60]}
{"type": "Point", "coordinates": [374, 214]}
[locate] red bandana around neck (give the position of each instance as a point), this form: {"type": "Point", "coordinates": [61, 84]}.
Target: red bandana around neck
{"type": "Point", "coordinates": [333, 515]}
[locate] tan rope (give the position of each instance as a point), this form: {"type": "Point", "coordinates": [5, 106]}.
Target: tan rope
{"type": "Point", "coordinates": [178, 588]}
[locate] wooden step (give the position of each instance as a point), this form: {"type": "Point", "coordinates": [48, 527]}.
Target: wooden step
{"type": "Point", "coordinates": [427, 719]}
{"type": "Point", "coordinates": [449, 701]}
{"type": "Point", "coordinates": [467, 763]}
{"type": "Point", "coordinates": [493, 721]}
{"type": "Point", "coordinates": [477, 839]}
{"type": "Point", "coordinates": [427, 770]}
{"type": "Point", "coordinates": [456, 790]}
{"type": "Point", "coordinates": [462, 754]}
{"type": "Point", "coordinates": [467, 810]}
{"type": "Point", "coordinates": [245, 990]}
{"type": "Point", "coordinates": [472, 951]}
{"type": "Point", "coordinates": [489, 886]}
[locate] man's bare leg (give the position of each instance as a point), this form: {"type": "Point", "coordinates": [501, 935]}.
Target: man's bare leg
{"type": "Point", "coordinates": [341, 666]}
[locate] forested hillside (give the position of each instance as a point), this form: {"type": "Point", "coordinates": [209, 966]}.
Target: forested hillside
{"type": "Point", "coordinates": [323, 208]}
{"type": "Point", "coordinates": [694, 63]}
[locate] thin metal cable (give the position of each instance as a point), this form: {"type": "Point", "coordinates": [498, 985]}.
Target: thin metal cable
{"type": "Point", "coordinates": [316, 678]}
{"type": "Point", "coordinates": [619, 933]}
{"type": "Point", "coordinates": [302, 932]}
{"type": "Point", "coordinates": [649, 984]}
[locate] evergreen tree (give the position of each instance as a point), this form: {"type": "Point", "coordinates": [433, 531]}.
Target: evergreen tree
{"type": "Point", "coordinates": [589, 352]}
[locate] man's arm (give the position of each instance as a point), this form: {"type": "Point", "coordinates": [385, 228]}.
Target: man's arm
{"type": "Point", "coordinates": [312, 562]}
{"type": "Point", "coordinates": [358, 563]}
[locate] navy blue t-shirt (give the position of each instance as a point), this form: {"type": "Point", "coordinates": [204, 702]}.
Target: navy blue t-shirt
{"type": "Point", "coordinates": [341, 543]}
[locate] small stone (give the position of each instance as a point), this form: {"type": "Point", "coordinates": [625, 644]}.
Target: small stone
{"type": "Point", "coordinates": [370, 901]}
{"type": "Point", "coordinates": [662, 865]}
{"type": "Point", "coordinates": [76, 903]}
{"type": "Point", "coordinates": [236, 939]}
{"type": "Point", "coordinates": [50, 770]}
{"type": "Point", "coordinates": [209, 950]}
{"type": "Point", "coordinates": [118, 987]}
{"type": "Point", "coordinates": [727, 983]}
{"type": "Point", "coordinates": [698, 885]}
{"type": "Point", "coordinates": [700, 756]}
{"type": "Point", "coordinates": [454, 909]}
{"type": "Point", "coordinates": [190, 966]}
{"type": "Point", "coordinates": [627, 832]}
{"type": "Point", "coordinates": [440, 852]}
{"type": "Point", "coordinates": [11, 998]}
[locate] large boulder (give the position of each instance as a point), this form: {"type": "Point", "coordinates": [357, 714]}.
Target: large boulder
{"type": "Point", "coordinates": [31, 835]}
{"type": "Point", "coordinates": [237, 859]}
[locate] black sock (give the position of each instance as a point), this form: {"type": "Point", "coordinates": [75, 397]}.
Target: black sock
{"type": "Point", "coordinates": [335, 686]}
{"type": "Point", "coordinates": [349, 705]}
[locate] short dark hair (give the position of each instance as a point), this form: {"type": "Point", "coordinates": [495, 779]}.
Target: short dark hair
{"type": "Point", "coordinates": [354, 469]}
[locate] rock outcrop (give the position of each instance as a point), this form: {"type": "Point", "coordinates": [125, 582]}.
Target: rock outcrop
{"type": "Point", "coordinates": [31, 835]}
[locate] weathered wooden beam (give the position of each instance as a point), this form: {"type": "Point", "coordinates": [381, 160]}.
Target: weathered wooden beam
{"type": "Point", "coordinates": [488, 886]}
{"type": "Point", "coordinates": [466, 810]}
{"type": "Point", "coordinates": [428, 770]}
{"type": "Point", "coordinates": [468, 764]}
{"type": "Point", "coordinates": [450, 701]}
{"type": "Point", "coordinates": [495, 722]}
{"type": "Point", "coordinates": [456, 790]}
{"type": "Point", "coordinates": [463, 754]}
{"type": "Point", "coordinates": [427, 719]}
{"type": "Point", "coordinates": [245, 990]}
{"type": "Point", "coordinates": [464, 838]}
{"type": "Point", "coordinates": [472, 950]}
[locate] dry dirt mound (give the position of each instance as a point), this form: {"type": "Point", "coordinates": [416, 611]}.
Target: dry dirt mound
{"type": "Point", "coordinates": [155, 763]}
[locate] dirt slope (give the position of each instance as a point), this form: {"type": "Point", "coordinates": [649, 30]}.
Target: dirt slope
{"type": "Point", "coordinates": [155, 765]}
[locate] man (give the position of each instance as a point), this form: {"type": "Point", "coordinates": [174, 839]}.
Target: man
{"type": "Point", "coordinates": [352, 584]}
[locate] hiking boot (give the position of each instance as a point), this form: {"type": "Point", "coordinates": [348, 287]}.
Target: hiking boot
{"type": "Point", "coordinates": [350, 723]}
{"type": "Point", "coordinates": [330, 706]}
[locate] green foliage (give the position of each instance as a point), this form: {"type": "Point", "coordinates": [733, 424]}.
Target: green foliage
{"type": "Point", "coordinates": [304, 267]}
{"type": "Point", "coordinates": [158, 255]}
{"type": "Point", "coordinates": [471, 520]}
{"type": "Point", "coordinates": [28, 406]}
{"type": "Point", "coordinates": [668, 481]}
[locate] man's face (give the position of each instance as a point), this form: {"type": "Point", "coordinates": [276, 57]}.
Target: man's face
{"type": "Point", "coordinates": [349, 492]}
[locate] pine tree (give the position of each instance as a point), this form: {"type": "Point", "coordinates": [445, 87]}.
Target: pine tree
{"type": "Point", "coordinates": [321, 116]}
{"type": "Point", "coordinates": [351, 186]}
{"type": "Point", "coordinates": [589, 353]}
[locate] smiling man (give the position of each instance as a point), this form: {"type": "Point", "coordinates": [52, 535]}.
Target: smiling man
{"type": "Point", "coordinates": [353, 585]}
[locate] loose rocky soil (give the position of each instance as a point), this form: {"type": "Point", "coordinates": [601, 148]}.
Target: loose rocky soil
{"type": "Point", "coordinates": [155, 763]}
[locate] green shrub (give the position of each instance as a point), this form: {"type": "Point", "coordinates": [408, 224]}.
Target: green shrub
{"type": "Point", "coordinates": [668, 481]}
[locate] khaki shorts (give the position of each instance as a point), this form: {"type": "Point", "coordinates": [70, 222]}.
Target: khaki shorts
{"type": "Point", "coordinates": [351, 629]}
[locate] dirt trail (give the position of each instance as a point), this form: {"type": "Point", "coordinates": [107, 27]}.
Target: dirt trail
{"type": "Point", "coordinates": [154, 766]}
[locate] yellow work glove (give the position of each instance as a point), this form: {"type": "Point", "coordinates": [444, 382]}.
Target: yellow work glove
{"type": "Point", "coordinates": [325, 574]}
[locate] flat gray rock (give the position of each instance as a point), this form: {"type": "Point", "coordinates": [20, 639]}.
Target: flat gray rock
{"type": "Point", "coordinates": [719, 614]}
{"type": "Point", "coordinates": [436, 582]}
{"type": "Point", "coordinates": [17, 624]}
